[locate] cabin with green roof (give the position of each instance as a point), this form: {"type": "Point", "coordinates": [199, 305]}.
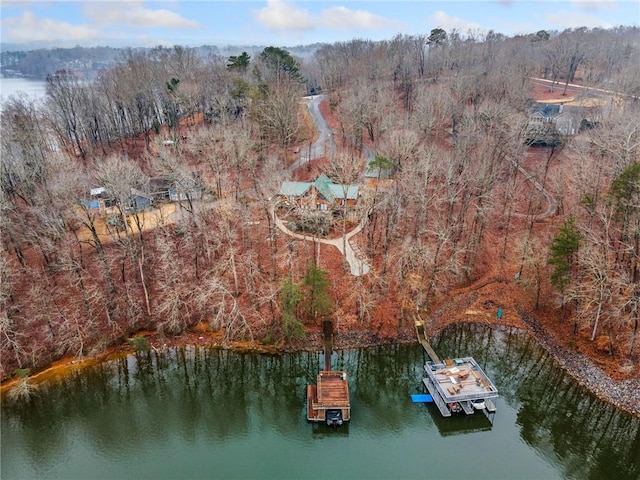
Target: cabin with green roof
{"type": "Point", "coordinates": [321, 194]}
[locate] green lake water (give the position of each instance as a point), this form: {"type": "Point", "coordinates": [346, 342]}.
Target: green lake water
{"type": "Point", "coordinates": [207, 413]}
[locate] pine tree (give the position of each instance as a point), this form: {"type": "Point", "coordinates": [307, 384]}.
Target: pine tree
{"type": "Point", "coordinates": [563, 248]}
{"type": "Point", "coordinates": [318, 301]}
{"type": "Point", "coordinates": [290, 296]}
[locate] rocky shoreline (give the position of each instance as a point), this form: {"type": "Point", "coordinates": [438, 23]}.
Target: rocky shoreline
{"type": "Point", "coordinates": [624, 394]}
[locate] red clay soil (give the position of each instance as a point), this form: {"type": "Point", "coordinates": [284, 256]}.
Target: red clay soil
{"type": "Point", "coordinates": [493, 287]}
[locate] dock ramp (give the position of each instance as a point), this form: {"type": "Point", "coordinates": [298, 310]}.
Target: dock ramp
{"type": "Point", "coordinates": [422, 338]}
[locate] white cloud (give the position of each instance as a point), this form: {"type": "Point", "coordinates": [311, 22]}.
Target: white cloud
{"type": "Point", "coordinates": [281, 15]}
{"type": "Point", "coordinates": [446, 22]}
{"type": "Point", "coordinates": [28, 27]}
{"type": "Point", "coordinates": [135, 14]}
{"type": "Point", "coordinates": [343, 18]}
{"type": "Point", "coordinates": [596, 4]}
{"type": "Point", "coordinates": [566, 19]}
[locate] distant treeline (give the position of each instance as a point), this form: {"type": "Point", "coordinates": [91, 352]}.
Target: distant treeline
{"type": "Point", "coordinates": [88, 61]}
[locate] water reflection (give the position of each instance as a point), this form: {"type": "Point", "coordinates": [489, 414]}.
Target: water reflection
{"type": "Point", "coordinates": [460, 424]}
{"type": "Point", "coordinates": [199, 410]}
{"type": "Point", "coordinates": [559, 418]}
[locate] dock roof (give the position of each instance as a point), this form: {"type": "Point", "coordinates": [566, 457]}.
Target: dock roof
{"type": "Point", "coordinates": [462, 380]}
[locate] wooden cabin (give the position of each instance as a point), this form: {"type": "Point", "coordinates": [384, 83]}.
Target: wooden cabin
{"type": "Point", "coordinates": [321, 194]}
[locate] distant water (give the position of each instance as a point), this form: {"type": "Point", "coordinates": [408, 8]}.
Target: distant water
{"type": "Point", "coordinates": [13, 85]}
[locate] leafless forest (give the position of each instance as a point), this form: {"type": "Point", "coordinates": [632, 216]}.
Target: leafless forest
{"type": "Point", "coordinates": [547, 220]}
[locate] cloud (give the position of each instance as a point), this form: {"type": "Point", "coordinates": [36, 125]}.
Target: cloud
{"type": "Point", "coordinates": [596, 4]}
{"type": "Point", "coordinates": [567, 19]}
{"type": "Point", "coordinates": [446, 22]}
{"type": "Point", "coordinates": [28, 27]}
{"type": "Point", "coordinates": [343, 18]}
{"type": "Point", "coordinates": [280, 15]}
{"type": "Point", "coordinates": [135, 14]}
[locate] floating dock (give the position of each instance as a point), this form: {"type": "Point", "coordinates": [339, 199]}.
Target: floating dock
{"type": "Point", "coordinates": [458, 384]}
{"type": "Point", "coordinates": [328, 400]}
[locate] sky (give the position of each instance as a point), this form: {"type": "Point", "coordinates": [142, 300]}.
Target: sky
{"type": "Point", "coordinates": [290, 23]}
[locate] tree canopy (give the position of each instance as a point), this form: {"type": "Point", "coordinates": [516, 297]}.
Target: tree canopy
{"type": "Point", "coordinates": [563, 248]}
{"type": "Point", "coordinates": [438, 37]}
{"type": "Point", "coordinates": [240, 62]}
{"type": "Point", "coordinates": [281, 64]}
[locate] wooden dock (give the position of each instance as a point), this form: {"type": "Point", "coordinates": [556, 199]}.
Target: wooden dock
{"type": "Point", "coordinates": [328, 401]}
{"type": "Point", "coordinates": [455, 384]}
{"type": "Point", "coordinates": [330, 393]}
{"type": "Point", "coordinates": [422, 338]}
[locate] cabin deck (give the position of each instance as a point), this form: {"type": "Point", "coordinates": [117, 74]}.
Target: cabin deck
{"type": "Point", "coordinates": [331, 393]}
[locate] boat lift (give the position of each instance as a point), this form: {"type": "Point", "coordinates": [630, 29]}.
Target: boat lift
{"type": "Point", "coordinates": [454, 385]}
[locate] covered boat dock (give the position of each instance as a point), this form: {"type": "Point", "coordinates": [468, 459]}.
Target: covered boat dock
{"type": "Point", "coordinates": [457, 384]}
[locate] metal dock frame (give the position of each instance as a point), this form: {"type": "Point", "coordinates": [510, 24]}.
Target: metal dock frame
{"type": "Point", "coordinates": [437, 399]}
{"type": "Point", "coordinates": [491, 407]}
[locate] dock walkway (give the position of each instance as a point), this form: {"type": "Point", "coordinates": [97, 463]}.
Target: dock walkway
{"type": "Point", "coordinates": [422, 338]}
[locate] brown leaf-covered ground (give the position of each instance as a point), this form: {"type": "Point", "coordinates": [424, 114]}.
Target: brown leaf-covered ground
{"type": "Point", "coordinates": [493, 286]}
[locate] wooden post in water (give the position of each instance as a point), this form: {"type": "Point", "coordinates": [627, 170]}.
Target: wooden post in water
{"type": "Point", "coordinates": [327, 337]}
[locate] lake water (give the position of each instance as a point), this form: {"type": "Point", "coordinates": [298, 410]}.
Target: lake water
{"type": "Point", "coordinates": [13, 85]}
{"type": "Point", "coordinates": [206, 413]}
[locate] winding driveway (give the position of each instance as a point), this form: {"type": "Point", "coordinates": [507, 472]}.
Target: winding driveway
{"type": "Point", "coordinates": [323, 145]}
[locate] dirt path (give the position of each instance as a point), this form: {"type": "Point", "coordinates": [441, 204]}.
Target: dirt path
{"type": "Point", "coordinates": [552, 203]}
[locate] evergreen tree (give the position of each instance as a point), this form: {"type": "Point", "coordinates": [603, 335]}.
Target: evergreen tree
{"type": "Point", "coordinates": [318, 301]}
{"type": "Point", "coordinates": [290, 296]}
{"type": "Point", "coordinates": [563, 248]}
{"type": "Point", "coordinates": [625, 192]}
{"type": "Point", "coordinates": [239, 62]}
{"type": "Point", "coordinates": [281, 64]}
{"type": "Point", "coordinates": [437, 38]}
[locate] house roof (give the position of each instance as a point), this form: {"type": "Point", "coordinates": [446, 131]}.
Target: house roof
{"type": "Point", "coordinates": [339, 191]}
{"type": "Point", "coordinates": [294, 189]}
{"type": "Point", "coordinates": [323, 185]}
{"type": "Point", "coordinates": [545, 109]}
{"type": "Point", "coordinates": [140, 194]}
{"type": "Point", "coordinates": [329, 190]}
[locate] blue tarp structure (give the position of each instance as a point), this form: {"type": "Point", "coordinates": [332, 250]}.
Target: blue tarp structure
{"type": "Point", "coordinates": [421, 398]}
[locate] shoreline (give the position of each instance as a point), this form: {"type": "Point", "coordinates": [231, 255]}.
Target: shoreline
{"type": "Point", "coordinates": [621, 394]}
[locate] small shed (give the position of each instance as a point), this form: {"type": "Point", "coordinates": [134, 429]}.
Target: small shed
{"type": "Point", "coordinates": [138, 201]}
